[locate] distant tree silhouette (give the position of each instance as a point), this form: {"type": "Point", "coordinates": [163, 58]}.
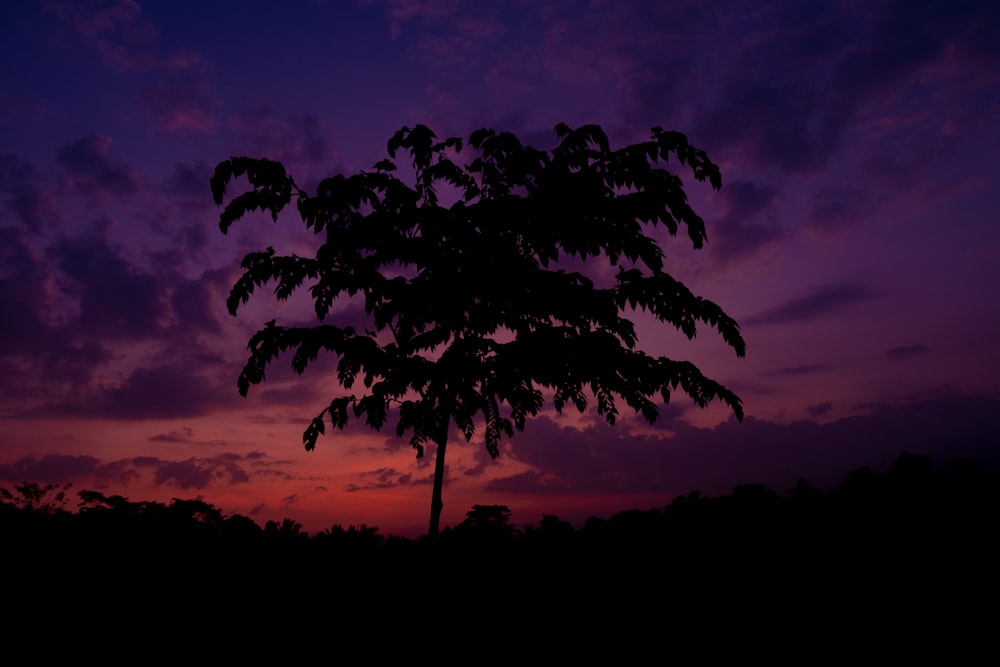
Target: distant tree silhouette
{"type": "Point", "coordinates": [35, 497]}
{"type": "Point", "coordinates": [288, 529]}
{"type": "Point", "coordinates": [486, 523]}
{"type": "Point", "coordinates": [473, 307]}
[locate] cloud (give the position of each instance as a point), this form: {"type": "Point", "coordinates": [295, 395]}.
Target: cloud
{"type": "Point", "coordinates": [197, 304]}
{"type": "Point", "coordinates": [160, 392]}
{"type": "Point", "coordinates": [593, 458]}
{"type": "Point", "coordinates": [791, 127]}
{"type": "Point", "coordinates": [92, 173]}
{"type": "Point", "coordinates": [819, 409]}
{"type": "Point", "coordinates": [390, 478]}
{"type": "Point", "coordinates": [836, 207]}
{"type": "Point", "coordinates": [66, 468]}
{"type": "Point", "coordinates": [75, 364]}
{"type": "Point", "coordinates": [402, 11]}
{"type": "Point", "coordinates": [24, 296]}
{"type": "Point", "coordinates": [808, 369]}
{"type": "Point", "coordinates": [464, 38]}
{"type": "Point", "coordinates": [902, 38]}
{"type": "Point", "coordinates": [821, 302]}
{"type": "Point", "coordinates": [298, 138]}
{"type": "Point", "coordinates": [848, 59]}
{"type": "Point", "coordinates": [118, 30]}
{"type": "Point", "coordinates": [178, 435]}
{"type": "Point", "coordinates": [529, 481]}
{"type": "Point", "coordinates": [195, 473]}
{"type": "Point", "coordinates": [181, 106]}
{"type": "Point", "coordinates": [50, 469]}
{"type": "Point", "coordinates": [199, 473]}
{"type": "Point", "coordinates": [602, 460]}
{"type": "Point", "coordinates": [906, 351]}
{"type": "Point", "coordinates": [83, 470]}
{"type": "Point", "coordinates": [188, 182]}
{"type": "Point", "coordinates": [183, 474]}
{"type": "Point", "coordinates": [115, 299]}
{"type": "Point", "coordinates": [68, 311]}
{"type": "Point", "coordinates": [748, 222]}
{"type": "Point", "coordinates": [18, 181]}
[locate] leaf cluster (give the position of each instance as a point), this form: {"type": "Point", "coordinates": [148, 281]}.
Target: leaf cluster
{"type": "Point", "coordinates": [472, 311]}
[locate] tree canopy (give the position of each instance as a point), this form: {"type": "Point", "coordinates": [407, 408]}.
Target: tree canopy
{"type": "Point", "coordinates": [474, 316]}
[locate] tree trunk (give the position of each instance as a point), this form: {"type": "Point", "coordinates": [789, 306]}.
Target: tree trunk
{"type": "Point", "coordinates": [436, 503]}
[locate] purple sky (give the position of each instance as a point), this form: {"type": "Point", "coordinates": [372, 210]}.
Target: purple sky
{"type": "Point", "coordinates": [856, 238]}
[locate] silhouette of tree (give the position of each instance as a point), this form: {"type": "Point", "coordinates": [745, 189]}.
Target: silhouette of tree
{"type": "Point", "coordinates": [486, 523]}
{"type": "Point", "coordinates": [473, 308]}
{"type": "Point", "coordinates": [34, 497]}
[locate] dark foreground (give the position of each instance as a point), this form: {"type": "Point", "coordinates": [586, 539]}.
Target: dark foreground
{"type": "Point", "coordinates": [906, 561]}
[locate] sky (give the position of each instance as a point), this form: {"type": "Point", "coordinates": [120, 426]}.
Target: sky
{"type": "Point", "coordinates": [855, 239]}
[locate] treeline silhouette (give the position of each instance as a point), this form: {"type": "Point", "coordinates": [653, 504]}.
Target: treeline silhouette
{"type": "Point", "coordinates": [916, 542]}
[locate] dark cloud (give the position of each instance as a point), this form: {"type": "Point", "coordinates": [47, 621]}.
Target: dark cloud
{"type": "Point", "coordinates": [819, 409]}
{"type": "Point", "coordinates": [390, 478]}
{"type": "Point", "coordinates": [601, 460]}
{"type": "Point", "coordinates": [595, 459]}
{"type": "Point", "coordinates": [835, 207]}
{"type": "Point", "coordinates": [181, 106]}
{"type": "Point", "coordinates": [809, 369]}
{"type": "Point", "coordinates": [116, 299]}
{"type": "Point", "coordinates": [382, 478]}
{"type": "Point", "coordinates": [117, 29]}
{"type": "Point", "coordinates": [194, 237]}
{"type": "Point", "coordinates": [193, 473]}
{"type": "Point", "coordinates": [748, 223]}
{"type": "Point", "coordinates": [903, 37]}
{"type": "Point", "coordinates": [104, 225]}
{"type": "Point", "coordinates": [65, 313]}
{"type": "Point", "coordinates": [50, 469]}
{"type": "Point", "coordinates": [742, 199]}
{"type": "Point", "coordinates": [528, 481]}
{"type": "Point", "coordinates": [23, 296]}
{"type": "Point", "coordinates": [199, 473]}
{"type": "Point", "coordinates": [296, 138]}
{"type": "Point", "coordinates": [791, 127]}
{"type": "Point", "coordinates": [846, 58]}
{"type": "Point", "coordinates": [178, 435]}
{"type": "Point", "coordinates": [66, 468]}
{"type": "Point", "coordinates": [906, 351]}
{"type": "Point", "coordinates": [187, 184]}
{"type": "Point", "coordinates": [86, 161]}
{"type": "Point", "coordinates": [821, 302]}
{"type": "Point", "coordinates": [979, 31]}
{"type": "Point", "coordinates": [198, 304]}
{"type": "Point", "coordinates": [19, 183]}
{"type": "Point", "coordinates": [183, 474]}
{"type": "Point", "coordinates": [75, 363]}
{"type": "Point", "coordinates": [161, 392]}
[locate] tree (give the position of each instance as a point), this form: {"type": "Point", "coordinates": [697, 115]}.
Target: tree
{"type": "Point", "coordinates": [33, 497]}
{"type": "Point", "coordinates": [472, 311]}
{"type": "Point", "coordinates": [489, 523]}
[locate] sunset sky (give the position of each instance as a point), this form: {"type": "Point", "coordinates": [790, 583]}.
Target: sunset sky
{"type": "Point", "coordinates": [856, 238]}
